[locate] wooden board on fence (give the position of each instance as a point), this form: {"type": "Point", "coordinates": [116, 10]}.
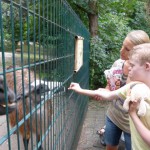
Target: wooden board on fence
{"type": "Point", "coordinates": [78, 53]}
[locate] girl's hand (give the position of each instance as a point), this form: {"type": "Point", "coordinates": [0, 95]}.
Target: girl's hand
{"type": "Point", "coordinates": [74, 86]}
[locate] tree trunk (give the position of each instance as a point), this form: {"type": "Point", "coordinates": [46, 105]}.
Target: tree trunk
{"type": "Point", "coordinates": [93, 17]}
{"type": "Point", "coordinates": [93, 24]}
{"type": "Point", "coordinates": [92, 12]}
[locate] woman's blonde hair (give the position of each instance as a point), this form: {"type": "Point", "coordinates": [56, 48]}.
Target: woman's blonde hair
{"type": "Point", "coordinates": [141, 53]}
{"type": "Point", "coordinates": [138, 37]}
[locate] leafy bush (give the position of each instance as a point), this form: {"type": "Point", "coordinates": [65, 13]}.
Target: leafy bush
{"type": "Point", "coordinates": [106, 49]}
{"type": "Point", "coordinates": [98, 56]}
{"type": "Point", "coordinates": [114, 24]}
{"type": "Point", "coordinates": [140, 19]}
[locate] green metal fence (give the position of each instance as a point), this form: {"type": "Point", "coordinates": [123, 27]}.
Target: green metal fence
{"type": "Point", "coordinates": [37, 51]}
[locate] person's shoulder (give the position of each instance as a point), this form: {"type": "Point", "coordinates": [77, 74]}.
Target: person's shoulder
{"type": "Point", "coordinates": [118, 62]}
{"type": "Point", "coordinates": [130, 85]}
{"type": "Point", "coordinates": [135, 83]}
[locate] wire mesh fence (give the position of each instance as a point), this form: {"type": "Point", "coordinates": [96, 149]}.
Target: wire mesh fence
{"type": "Point", "coordinates": [37, 51]}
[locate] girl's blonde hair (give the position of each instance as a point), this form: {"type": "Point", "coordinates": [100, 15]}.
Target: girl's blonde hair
{"type": "Point", "coordinates": [138, 37]}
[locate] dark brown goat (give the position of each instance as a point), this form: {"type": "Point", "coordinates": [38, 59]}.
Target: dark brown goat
{"type": "Point", "coordinates": [29, 100]}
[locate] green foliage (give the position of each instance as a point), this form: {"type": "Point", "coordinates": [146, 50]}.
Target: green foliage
{"type": "Point", "coordinates": [140, 19]}
{"type": "Point", "coordinates": [77, 6]}
{"type": "Point", "coordinates": [97, 62]}
{"type": "Point", "coordinates": [113, 29]}
{"type": "Point", "coordinates": [100, 60]}
{"type": "Point", "coordinates": [116, 19]}
{"type": "Point", "coordinates": [106, 49]}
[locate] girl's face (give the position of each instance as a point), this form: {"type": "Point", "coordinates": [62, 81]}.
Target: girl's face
{"type": "Point", "coordinates": [126, 48]}
{"type": "Point", "coordinates": [136, 70]}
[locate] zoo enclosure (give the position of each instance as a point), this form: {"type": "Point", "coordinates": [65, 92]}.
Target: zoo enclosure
{"type": "Point", "coordinates": [40, 36]}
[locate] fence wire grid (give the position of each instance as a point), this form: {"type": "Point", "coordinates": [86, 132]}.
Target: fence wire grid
{"type": "Point", "coordinates": [37, 51]}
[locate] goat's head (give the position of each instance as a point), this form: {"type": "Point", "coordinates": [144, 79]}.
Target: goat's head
{"type": "Point", "coordinates": [11, 104]}
{"type": "Point", "coordinates": [36, 92]}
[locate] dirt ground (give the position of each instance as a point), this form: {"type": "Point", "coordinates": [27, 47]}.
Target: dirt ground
{"type": "Point", "coordinates": [94, 119]}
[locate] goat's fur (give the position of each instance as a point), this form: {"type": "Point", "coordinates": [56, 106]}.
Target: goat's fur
{"type": "Point", "coordinates": [141, 93]}
{"type": "Point", "coordinates": [30, 97]}
{"type": "Point", "coordinates": [11, 104]}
